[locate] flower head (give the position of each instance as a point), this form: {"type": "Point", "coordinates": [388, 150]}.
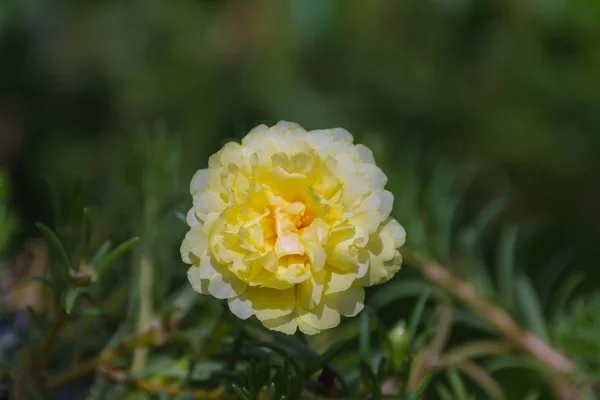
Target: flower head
{"type": "Point", "coordinates": [290, 226]}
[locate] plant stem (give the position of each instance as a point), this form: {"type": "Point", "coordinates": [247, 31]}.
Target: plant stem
{"type": "Point", "coordinates": [145, 338]}
{"type": "Point", "coordinates": [49, 345]}
{"type": "Point", "coordinates": [475, 349]}
{"type": "Point", "coordinates": [520, 338]}
{"type": "Point", "coordinates": [523, 339]}
{"type": "Point", "coordinates": [149, 387]}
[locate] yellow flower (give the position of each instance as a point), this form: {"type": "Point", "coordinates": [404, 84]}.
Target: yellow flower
{"type": "Point", "coordinates": [290, 226]}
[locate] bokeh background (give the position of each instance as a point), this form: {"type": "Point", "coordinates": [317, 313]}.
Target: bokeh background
{"type": "Point", "coordinates": [114, 104]}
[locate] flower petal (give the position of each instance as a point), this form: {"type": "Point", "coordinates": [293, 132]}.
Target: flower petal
{"type": "Point", "coordinates": [199, 181]}
{"type": "Point", "coordinates": [241, 307]}
{"type": "Point", "coordinates": [349, 302]}
{"type": "Point", "coordinates": [226, 285]}
{"type": "Point", "coordinates": [198, 284]}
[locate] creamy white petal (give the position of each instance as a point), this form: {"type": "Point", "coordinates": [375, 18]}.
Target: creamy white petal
{"type": "Point", "coordinates": [387, 203]}
{"type": "Point", "coordinates": [366, 155]}
{"type": "Point", "coordinates": [198, 284]}
{"type": "Point", "coordinates": [199, 180]}
{"type": "Point", "coordinates": [240, 307]}
{"type": "Point", "coordinates": [349, 302]}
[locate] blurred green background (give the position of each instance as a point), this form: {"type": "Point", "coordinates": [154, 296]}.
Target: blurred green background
{"type": "Point", "coordinates": [129, 98]}
{"type": "Point", "coordinates": [515, 84]}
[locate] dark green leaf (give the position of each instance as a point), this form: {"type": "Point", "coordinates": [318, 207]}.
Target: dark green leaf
{"type": "Point", "coordinates": [417, 313]}
{"type": "Point", "coordinates": [457, 384]}
{"type": "Point", "coordinates": [72, 296]}
{"type": "Point", "coordinates": [368, 375]}
{"type": "Point", "coordinates": [101, 252]}
{"type": "Point", "coordinates": [443, 392]}
{"type": "Point", "coordinates": [382, 369]}
{"type": "Point", "coordinates": [365, 337]}
{"type": "Point", "coordinates": [87, 234]}
{"type": "Point", "coordinates": [417, 394]}
{"type": "Point", "coordinates": [532, 396]}
{"type": "Point", "coordinates": [506, 266]}
{"type": "Point", "coordinates": [55, 242]}
{"type": "Point", "coordinates": [106, 261]}
{"type": "Point", "coordinates": [242, 393]}
{"type": "Point", "coordinates": [59, 271]}
{"type": "Point", "coordinates": [394, 291]}
{"type": "Point", "coordinates": [530, 304]}
{"type": "Point", "coordinates": [325, 358]}
{"type": "Point", "coordinates": [565, 291]}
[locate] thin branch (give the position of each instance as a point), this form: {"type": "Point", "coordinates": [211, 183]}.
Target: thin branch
{"type": "Point", "coordinates": [149, 387]}
{"type": "Point", "coordinates": [483, 378]}
{"type": "Point", "coordinates": [46, 351]}
{"type": "Point", "coordinates": [150, 337]}
{"type": "Point", "coordinates": [519, 337]}
{"type": "Point", "coordinates": [475, 349]}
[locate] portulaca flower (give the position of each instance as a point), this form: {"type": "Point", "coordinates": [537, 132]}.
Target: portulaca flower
{"type": "Point", "coordinates": [290, 226]}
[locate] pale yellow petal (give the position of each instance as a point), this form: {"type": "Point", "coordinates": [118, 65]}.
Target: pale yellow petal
{"type": "Point", "coordinates": [208, 202]}
{"type": "Point", "coordinates": [197, 240]}
{"type": "Point", "coordinates": [198, 284]}
{"type": "Point", "coordinates": [271, 303]}
{"type": "Point", "coordinates": [226, 285]}
{"type": "Point", "coordinates": [338, 282]}
{"type": "Point", "coordinates": [199, 181]}
{"type": "Point", "coordinates": [349, 302]}
{"type": "Point", "coordinates": [186, 252]}
{"type": "Point", "coordinates": [397, 231]}
{"type": "Point", "coordinates": [321, 318]}
{"type": "Point", "coordinates": [366, 155]}
{"type": "Point", "coordinates": [287, 324]}
{"type": "Point", "coordinates": [241, 307]}
{"type": "Point", "coordinates": [386, 205]}
{"type": "Point", "coordinates": [311, 290]}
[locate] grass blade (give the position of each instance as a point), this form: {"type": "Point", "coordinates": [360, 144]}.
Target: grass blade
{"type": "Point", "coordinates": [531, 307]}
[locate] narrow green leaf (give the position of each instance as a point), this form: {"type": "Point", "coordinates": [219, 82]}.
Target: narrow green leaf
{"type": "Point", "coordinates": [394, 291]}
{"type": "Point", "coordinates": [365, 337]}
{"type": "Point", "coordinates": [87, 234]}
{"type": "Point", "coordinates": [506, 266]}
{"type": "Point", "coordinates": [283, 352]}
{"type": "Point", "coordinates": [273, 391]}
{"type": "Point", "coordinates": [91, 312]}
{"type": "Point", "coordinates": [382, 369]}
{"type": "Point", "coordinates": [443, 392]}
{"type": "Point", "coordinates": [251, 377]}
{"type": "Point", "coordinates": [457, 384]}
{"type": "Point", "coordinates": [565, 291]}
{"type": "Point", "coordinates": [101, 252]}
{"type": "Point", "coordinates": [242, 393]}
{"type": "Point", "coordinates": [530, 304]}
{"type": "Point", "coordinates": [335, 349]}
{"type": "Point", "coordinates": [417, 313]}
{"type": "Point", "coordinates": [368, 375]}
{"type": "Point", "coordinates": [510, 362]}
{"type": "Point", "coordinates": [532, 396]}
{"type": "Point", "coordinates": [72, 296]}
{"type": "Point", "coordinates": [114, 255]}
{"type": "Point", "coordinates": [228, 376]}
{"type": "Point", "coordinates": [488, 214]}
{"type": "Point", "coordinates": [417, 394]}
{"type": "Point", "coordinates": [59, 270]}
{"type": "Point", "coordinates": [55, 242]}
